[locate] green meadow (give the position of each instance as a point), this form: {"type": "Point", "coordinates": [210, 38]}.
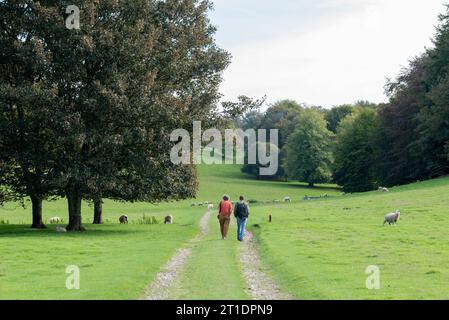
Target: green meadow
{"type": "Point", "coordinates": [316, 249]}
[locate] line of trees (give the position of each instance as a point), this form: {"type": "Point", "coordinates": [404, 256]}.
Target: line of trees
{"type": "Point", "coordinates": [87, 114]}
{"type": "Point", "coordinates": [363, 146]}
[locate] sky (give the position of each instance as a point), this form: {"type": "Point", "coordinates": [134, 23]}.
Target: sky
{"type": "Point", "coordinates": [320, 52]}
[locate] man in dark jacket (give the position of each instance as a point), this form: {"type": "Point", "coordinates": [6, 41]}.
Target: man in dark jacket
{"type": "Point", "coordinates": [241, 212]}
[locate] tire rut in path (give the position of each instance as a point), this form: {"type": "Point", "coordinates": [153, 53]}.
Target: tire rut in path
{"type": "Point", "coordinates": [260, 285]}
{"type": "Point", "coordinates": [159, 288]}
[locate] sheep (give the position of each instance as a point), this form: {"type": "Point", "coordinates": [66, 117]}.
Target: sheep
{"type": "Point", "coordinates": [287, 199]}
{"type": "Point", "coordinates": [193, 205]}
{"type": "Point", "coordinates": [55, 220]}
{"type": "Point", "coordinates": [383, 189]}
{"type": "Point", "coordinates": [60, 229]}
{"type": "Point", "coordinates": [210, 206]}
{"type": "Point", "coordinates": [168, 219]}
{"type": "Point", "coordinates": [123, 219]}
{"type": "Point", "coordinates": [392, 218]}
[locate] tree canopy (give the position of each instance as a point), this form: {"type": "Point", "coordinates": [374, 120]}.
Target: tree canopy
{"type": "Point", "coordinates": [356, 151]}
{"type": "Point", "coordinates": [89, 112]}
{"type": "Point", "coordinates": [308, 156]}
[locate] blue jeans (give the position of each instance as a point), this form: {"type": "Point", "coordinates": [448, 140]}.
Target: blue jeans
{"type": "Point", "coordinates": [241, 224]}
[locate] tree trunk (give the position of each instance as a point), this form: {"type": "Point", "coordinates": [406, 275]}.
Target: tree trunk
{"type": "Point", "coordinates": [98, 210]}
{"type": "Point", "coordinates": [74, 200]}
{"type": "Point", "coordinates": [37, 213]}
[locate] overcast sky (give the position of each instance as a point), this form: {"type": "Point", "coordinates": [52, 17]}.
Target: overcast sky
{"type": "Point", "coordinates": [320, 52]}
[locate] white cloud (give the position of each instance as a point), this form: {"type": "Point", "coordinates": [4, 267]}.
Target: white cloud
{"type": "Point", "coordinates": [338, 60]}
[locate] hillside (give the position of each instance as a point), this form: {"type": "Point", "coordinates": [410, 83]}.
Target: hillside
{"type": "Point", "coordinates": [315, 249]}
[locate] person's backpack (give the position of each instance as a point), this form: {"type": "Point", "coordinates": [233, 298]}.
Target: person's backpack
{"type": "Point", "coordinates": [242, 210]}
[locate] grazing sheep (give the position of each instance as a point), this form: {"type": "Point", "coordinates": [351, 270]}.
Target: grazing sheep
{"type": "Point", "coordinates": [168, 219]}
{"type": "Point", "coordinates": [287, 199]}
{"type": "Point", "coordinates": [123, 219]}
{"type": "Point", "coordinates": [193, 205]}
{"type": "Point", "coordinates": [200, 204]}
{"type": "Point", "coordinates": [392, 218]}
{"type": "Point", "coordinates": [55, 220]}
{"type": "Point", "coordinates": [383, 189]}
{"type": "Point", "coordinates": [210, 206]}
{"type": "Point", "coordinates": [60, 229]}
{"type": "Point", "coordinates": [307, 198]}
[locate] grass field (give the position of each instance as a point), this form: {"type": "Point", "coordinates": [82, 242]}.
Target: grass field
{"type": "Point", "coordinates": [116, 262]}
{"type": "Point", "coordinates": [320, 250]}
{"type": "Point", "coordinates": [315, 249]}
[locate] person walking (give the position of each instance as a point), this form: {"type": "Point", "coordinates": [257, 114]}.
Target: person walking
{"type": "Point", "coordinates": [241, 212]}
{"type": "Point", "coordinates": [224, 216]}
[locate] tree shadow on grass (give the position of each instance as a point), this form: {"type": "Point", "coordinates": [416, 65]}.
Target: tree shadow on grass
{"type": "Point", "coordinates": [12, 231]}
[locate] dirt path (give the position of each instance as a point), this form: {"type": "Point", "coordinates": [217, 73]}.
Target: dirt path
{"type": "Point", "coordinates": [260, 286]}
{"type": "Point", "coordinates": [159, 288]}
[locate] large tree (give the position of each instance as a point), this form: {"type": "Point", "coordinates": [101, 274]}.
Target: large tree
{"type": "Point", "coordinates": [433, 143]}
{"type": "Point", "coordinates": [283, 116]}
{"type": "Point", "coordinates": [401, 161]}
{"type": "Point", "coordinates": [356, 151]}
{"type": "Point", "coordinates": [27, 145]}
{"type": "Point", "coordinates": [307, 152]}
{"type": "Point", "coordinates": [414, 124]}
{"type": "Point", "coordinates": [134, 72]}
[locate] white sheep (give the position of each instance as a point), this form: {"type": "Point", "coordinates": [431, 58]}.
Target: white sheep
{"type": "Point", "coordinates": [383, 189]}
{"type": "Point", "coordinates": [287, 199]}
{"type": "Point", "coordinates": [60, 229]}
{"type": "Point", "coordinates": [55, 220]}
{"type": "Point", "coordinates": [210, 206]}
{"type": "Point", "coordinates": [392, 218]}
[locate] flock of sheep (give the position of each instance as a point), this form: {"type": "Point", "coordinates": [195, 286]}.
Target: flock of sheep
{"type": "Point", "coordinates": [391, 218]}
{"type": "Point", "coordinates": [209, 205]}
{"type": "Point", "coordinates": [123, 220]}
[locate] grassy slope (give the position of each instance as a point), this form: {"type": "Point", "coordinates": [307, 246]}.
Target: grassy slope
{"type": "Point", "coordinates": [118, 261]}
{"type": "Point", "coordinates": [317, 249]}
{"type": "Point", "coordinates": [214, 272]}
{"type": "Point", "coordinates": [320, 250]}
